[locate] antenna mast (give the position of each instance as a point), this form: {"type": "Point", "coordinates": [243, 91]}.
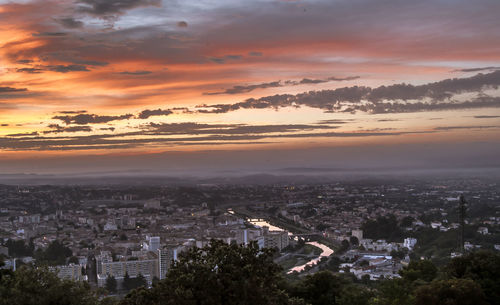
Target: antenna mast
{"type": "Point", "coordinates": [461, 211]}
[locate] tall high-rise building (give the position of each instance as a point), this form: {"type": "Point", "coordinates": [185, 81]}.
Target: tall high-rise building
{"type": "Point", "coordinates": [358, 234]}
{"type": "Point", "coordinates": [147, 268]}
{"type": "Point", "coordinates": [276, 239]}
{"type": "Point", "coordinates": [152, 243]}
{"type": "Point", "coordinates": [165, 258]}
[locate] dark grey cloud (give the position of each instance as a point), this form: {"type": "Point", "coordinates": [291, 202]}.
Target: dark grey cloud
{"type": "Point", "coordinates": [72, 111]}
{"type": "Point", "coordinates": [319, 81]}
{"type": "Point", "coordinates": [56, 128]}
{"type": "Point", "coordinates": [464, 127]}
{"type": "Point", "coordinates": [107, 128]}
{"type": "Point", "coordinates": [223, 60]}
{"type": "Point", "coordinates": [478, 69]}
{"type": "Point", "coordinates": [71, 57]}
{"type": "Point", "coordinates": [226, 129]}
{"type": "Point", "coordinates": [29, 70]}
{"type": "Point", "coordinates": [378, 129]}
{"type": "Point", "coordinates": [486, 116]}
{"type": "Point", "coordinates": [84, 119]}
{"type": "Point", "coordinates": [217, 60]}
{"type": "Point", "coordinates": [13, 93]}
{"type": "Point", "coordinates": [183, 110]}
{"type": "Point", "coordinates": [182, 24]}
{"type": "Point", "coordinates": [4, 125]}
{"type": "Point", "coordinates": [78, 64]}
{"type": "Point", "coordinates": [24, 61]}
{"type": "Point", "coordinates": [163, 112]}
{"type": "Point", "coordinates": [149, 113]}
{"type": "Point", "coordinates": [255, 53]}
{"type": "Point", "coordinates": [384, 99]}
{"type": "Point", "coordinates": [244, 89]}
{"type": "Point", "coordinates": [58, 68]}
{"type": "Point", "coordinates": [88, 62]}
{"type": "Point", "coordinates": [190, 132]}
{"type": "Point", "coordinates": [480, 102]}
{"type": "Point", "coordinates": [335, 121]}
{"type": "Point", "coordinates": [10, 89]}
{"type": "Point", "coordinates": [34, 133]}
{"type": "Point", "coordinates": [70, 22]}
{"type": "Point", "coordinates": [49, 34]}
{"type": "Point", "coordinates": [233, 57]}
{"type": "Point", "coordinates": [138, 72]}
{"type": "Point", "coordinates": [112, 7]}
{"type": "Point", "coordinates": [67, 68]}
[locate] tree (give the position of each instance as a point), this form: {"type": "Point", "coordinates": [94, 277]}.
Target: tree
{"type": "Point", "coordinates": [55, 254]}
{"type": "Point", "coordinates": [333, 263]}
{"type": "Point", "coordinates": [217, 274]}
{"type": "Point", "coordinates": [398, 254]}
{"type": "Point", "coordinates": [17, 248]}
{"type": "Point", "coordinates": [73, 260]}
{"type": "Point", "coordinates": [111, 284]}
{"type": "Point", "coordinates": [41, 287]}
{"type": "Point", "coordinates": [394, 292]}
{"type": "Point", "coordinates": [354, 295]}
{"type": "Point", "coordinates": [130, 283]}
{"type": "Point", "coordinates": [354, 240]}
{"type": "Point", "coordinates": [140, 281]}
{"type": "Point", "coordinates": [383, 227]}
{"type": "Point", "coordinates": [407, 221]}
{"type": "Point", "coordinates": [126, 282]}
{"type": "Point", "coordinates": [423, 270]}
{"type": "Point", "coordinates": [321, 227]}
{"type": "Point", "coordinates": [321, 288]}
{"type": "Point", "coordinates": [109, 301]}
{"type": "Point", "coordinates": [483, 267]}
{"type": "Point", "coordinates": [450, 292]}
{"type": "Point", "coordinates": [344, 245]}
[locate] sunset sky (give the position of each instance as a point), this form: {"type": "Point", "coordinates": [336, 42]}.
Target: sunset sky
{"type": "Point", "coordinates": [83, 79]}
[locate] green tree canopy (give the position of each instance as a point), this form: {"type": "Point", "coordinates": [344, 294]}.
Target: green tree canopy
{"type": "Point", "coordinates": [321, 288]}
{"type": "Point", "coordinates": [450, 292]}
{"type": "Point", "coordinates": [39, 286]}
{"type": "Point", "coordinates": [111, 284]}
{"type": "Point", "coordinates": [384, 227]}
{"type": "Point", "coordinates": [483, 267]}
{"type": "Point", "coordinates": [18, 248]}
{"type": "Point", "coordinates": [217, 274]}
{"type": "Point", "coordinates": [130, 283]}
{"type": "Point", "coordinates": [423, 270]}
{"type": "Point", "coordinates": [55, 254]}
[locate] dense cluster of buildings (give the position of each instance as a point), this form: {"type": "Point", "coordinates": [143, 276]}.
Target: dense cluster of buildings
{"type": "Point", "coordinates": [118, 231]}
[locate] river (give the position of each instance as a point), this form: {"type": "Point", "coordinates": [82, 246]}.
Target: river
{"type": "Point", "coordinates": [326, 251]}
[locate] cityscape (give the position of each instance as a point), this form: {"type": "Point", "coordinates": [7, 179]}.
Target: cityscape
{"type": "Point", "coordinates": [361, 227]}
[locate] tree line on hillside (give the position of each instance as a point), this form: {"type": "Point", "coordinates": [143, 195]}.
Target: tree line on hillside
{"type": "Point", "coordinates": [432, 243]}
{"type": "Point", "coordinates": [55, 254]}
{"type": "Point", "coordinates": [233, 274]}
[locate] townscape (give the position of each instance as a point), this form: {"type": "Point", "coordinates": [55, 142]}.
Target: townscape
{"type": "Point", "coordinates": [134, 233]}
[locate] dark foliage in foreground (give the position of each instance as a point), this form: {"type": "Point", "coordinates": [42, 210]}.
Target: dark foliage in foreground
{"type": "Point", "coordinates": [232, 274]}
